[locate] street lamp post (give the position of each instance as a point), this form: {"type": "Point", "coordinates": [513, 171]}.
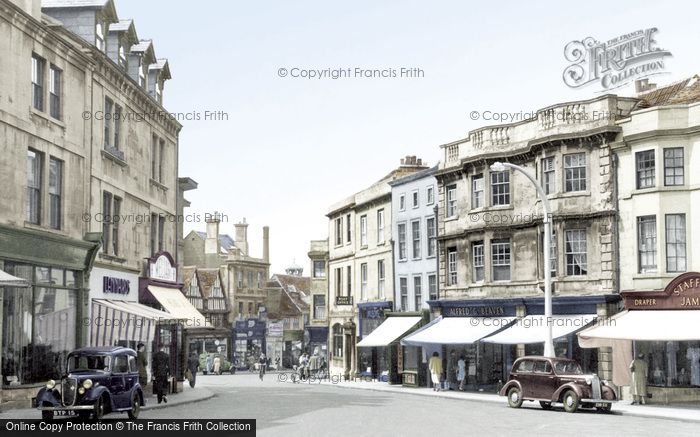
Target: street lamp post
{"type": "Point", "coordinates": [549, 341]}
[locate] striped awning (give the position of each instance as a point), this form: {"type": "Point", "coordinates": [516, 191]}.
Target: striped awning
{"type": "Point", "coordinates": [116, 320]}
{"type": "Point", "coordinates": [179, 307]}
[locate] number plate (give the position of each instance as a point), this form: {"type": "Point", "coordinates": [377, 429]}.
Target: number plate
{"type": "Point", "coordinates": [65, 413]}
{"type": "Point", "coordinates": [601, 404]}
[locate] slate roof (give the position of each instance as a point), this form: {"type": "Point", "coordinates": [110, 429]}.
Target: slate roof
{"type": "Point", "coordinates": [225, 241]}
{"type": "Point", "coordinates": [682, 92]}
{"type": "Point", "coordinates": [121, 26]}
{"type": "Point", "coordinates": [142, 46]}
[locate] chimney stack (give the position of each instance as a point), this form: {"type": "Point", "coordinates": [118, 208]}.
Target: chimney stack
{"type": "Point", "coordinates": [266, 244]}
{"type": "Point", "coordinates": [212, 246]}
{"type": "Point", "coordinates": [242, 237]}
{"type": "Point", "coordinates": [643, 85]}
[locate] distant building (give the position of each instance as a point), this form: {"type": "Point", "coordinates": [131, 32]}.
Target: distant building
{"type": "Point", "coordinates": [287, 303]}
{"type": "Point", "coordinates": [204, 288]}
{"type": "Point", "coordinates": [317, 328]}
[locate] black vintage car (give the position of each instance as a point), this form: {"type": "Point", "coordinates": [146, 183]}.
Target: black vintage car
{"type": "Point", "coordinates": [100, 380]}
{"type": "Point", "coordinates": [556, 381]}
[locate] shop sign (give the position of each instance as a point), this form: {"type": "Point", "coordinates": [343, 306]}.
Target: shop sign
{"type": "Point", "coordinates": [682, 293]}
{"type": "Point", "coordinates": [409, 378]}
{"type": "Point", "coordinates": [343, 300]}
{"type": "Point", "coordinates": [115, 285]}
{"type": "Point", "coordinates": [162, 270]}
{"type": "Point", "coordinates": [474, 311]}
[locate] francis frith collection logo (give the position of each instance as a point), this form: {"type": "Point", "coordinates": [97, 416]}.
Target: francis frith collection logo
{"type": "Point", "coordinates": [616, 62]}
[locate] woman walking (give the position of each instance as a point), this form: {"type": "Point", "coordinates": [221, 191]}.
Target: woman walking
{"type": "Point", "coordinates": [435, 367]}
{"type": "Point", "coordinates": [461, 372]}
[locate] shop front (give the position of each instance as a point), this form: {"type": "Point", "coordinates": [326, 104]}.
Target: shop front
{"type": "Point", "coordinates": [384, 342]}
{"type": "Point", "coordinates": [316, 342]}
{"type": "Point", "coordinates": [160, 289]}
{"type": "Point", "coordinates": [661, 325]}
{"type": "Point", "coordinates": [42, 322]}
{"type": "Point", "coordinates": [275, 342]}
{"type": "Point", "coordinates": [372, 361]}
{"type": "Point", "coordinates": [249, 341]}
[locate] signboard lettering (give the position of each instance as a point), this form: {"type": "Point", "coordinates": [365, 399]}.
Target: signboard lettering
{"type": "Point", "coordinates": [682, 293]}
{"type": "Point", "coordinates": [162, 270]}
{"type": "Point", "coordinates": [480, 311]}
{"type": "Point", "coordinates": [115, 285]}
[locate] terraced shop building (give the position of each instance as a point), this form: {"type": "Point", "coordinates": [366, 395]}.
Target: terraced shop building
{"type": "Point", "coordinates": [490, 233]}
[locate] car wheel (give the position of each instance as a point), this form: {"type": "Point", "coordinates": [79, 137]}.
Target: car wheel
{"type": "Point", "coordinates": [571, 401]}
{"type": "Point", "coordinates": [546, 405]}
{"type": "Point", "coordinates": [46, 416]}
{"type": "Point", "coordinates": [99, 410]}
{"type": "Point", "coordinates": [515, 398]}
{"type": "Point", "coordinates": [606, 409]}
{"type": "Point", "coordinates": [135, 407]}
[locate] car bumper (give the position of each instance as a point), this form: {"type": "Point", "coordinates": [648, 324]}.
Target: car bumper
{"type": "Point", "coordinates": [72, 408]}
{"type": "Point", "coordinates": [598, 402]}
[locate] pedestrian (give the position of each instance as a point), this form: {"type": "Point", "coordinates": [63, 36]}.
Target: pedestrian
{"type": "Point", "coordinates": [461, 372]}
{"type": "Point", "coordinates": [193, 367]}
{"type": "Point", "coordinates": [208, 363]}
{"type": "Point", "coordinates": [217, 365]}
{"type": "Point", "coordinates": [452, 371]}
{"type": "Point", "coordinates": [303, 362]}
{"type": "Point", "coordinates": [263, 364]}
{"type": "Point", "coordinates": [161, 373]}
{"type": "Point", "coordinates": [435, 367]}
{"type": "Point", "coordinates": [142, 365]}
{"type": "Point", "coordinates": [314, 363]}
{"type": "Point", "coordinates": [640, 373]}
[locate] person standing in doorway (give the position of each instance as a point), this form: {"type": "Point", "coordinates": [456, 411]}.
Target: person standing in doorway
{"type": "Point", "coordinates": [217, 365]}
{"type": "Point", "coordinates": [452, 371]}
{"type": "Point", "coordinates": [161, 374]}
{"type": "Point", "coordinates": [435, 367]}
{"type": "Point", "coordinates": [640, 373]}
{"type": "Point", "coordinates": [142, 365]}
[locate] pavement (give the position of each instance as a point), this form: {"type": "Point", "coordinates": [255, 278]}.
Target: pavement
{"type": "Point", "coordinates": [688, 413]}
{"type": "Point", "coordinates": [187, 396]}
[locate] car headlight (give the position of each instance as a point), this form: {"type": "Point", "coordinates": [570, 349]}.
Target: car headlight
{"type": "Point", "coordinates": [81, 390]}
{"type": "Point", "coordinates": [87, 384]}
{"type": "Point", "coordinates": [50, 384]}
{"type": "Point", "coordinates": [589, 380]}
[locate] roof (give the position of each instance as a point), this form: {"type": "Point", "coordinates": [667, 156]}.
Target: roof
{"type": "Point", "coordinates": [206, 279]}
{"type": "Point", "coordinates": [427, 173]}
{"type": "Point", "coordinates": [163, 66]}
{"type": "Point", "coordinates": [103, 350]}
{"type": "Point", "coordinates": [73, 3]}
{"type": "Point", "coordinates": [121, 26]}
{"type": "Point", "coordinates": [292, 291]}
{"type": "Point", "coordinates": [225, 241]}
{"type": "Point", "coordinates": [279, 304]}
{"type": "Point", "coordinates": [681, 92]}
{"type": "Point", "coordinates": [294, 283]}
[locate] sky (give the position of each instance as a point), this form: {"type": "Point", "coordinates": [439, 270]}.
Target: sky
{"type": "Point", "coordinates": [289, 147]}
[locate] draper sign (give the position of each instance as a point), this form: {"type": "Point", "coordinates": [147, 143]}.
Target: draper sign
{"type": "Point", "coordinates": [614, 63]}
{"type": "Point", "coordinates": [115, 285]}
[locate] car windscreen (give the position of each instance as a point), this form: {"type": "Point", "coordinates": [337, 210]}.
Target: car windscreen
{"type": "Point", "coordinates": [88, 363]}
{"type": "Point", "coordinates": [567, 368]}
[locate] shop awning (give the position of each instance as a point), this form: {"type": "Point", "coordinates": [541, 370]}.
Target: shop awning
{"type": "Point", "coordinates": [177, 304]}
{"type": "Point", "coordinates": [115, 320]}
{"type": "Point", "coordinates": [457, 330]}
{"type": "Point", "coordinates": [641, 325]}
{"type": "Point", "coordinates": [389, 331]}
{"type": "Point", "coordinates": [533, 329]}
{"type": "Point", "coordinates": [7, 280]}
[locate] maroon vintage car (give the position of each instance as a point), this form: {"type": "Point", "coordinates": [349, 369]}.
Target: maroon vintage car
{"type": "Point", "coordinates": [556, 381]}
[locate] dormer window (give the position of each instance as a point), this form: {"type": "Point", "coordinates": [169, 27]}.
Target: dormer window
{"type": "Point", "coordinates": [122, 56]}
{"type": "Point", "coordinates": [99, 37]}
{"type": "Point", "coordinates": [142, 76]}
{"type": "Point", "coordinates": [159, 92]}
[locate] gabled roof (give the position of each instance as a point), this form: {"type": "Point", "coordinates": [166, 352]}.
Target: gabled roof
{"type": "Point", "coordinates": [279, 304]}
{"type": "Point", "coordinates": [293, 290]}
{"type": "Point", "coordinates": [206, 279]}
{"type": "Point", "coordinates": [681, 92]}
{"type": "Point", "coordinates": [145, 46]}
{"type": "Point", "coordinates": [294, 283]}
{"type": "Point", "coordinates": [109, 11]}
{"type": "Point", "coordinates": [163, 66]}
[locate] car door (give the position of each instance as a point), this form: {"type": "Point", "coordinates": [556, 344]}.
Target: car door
{"type": "Point", "coordinates": [118, 384]}
{"type": "Point", "coordinates": [524, 372]}
{"type": "Point", "coordinates": [130, 380]}
{"type": "Point", "coordinates": [545, 382]}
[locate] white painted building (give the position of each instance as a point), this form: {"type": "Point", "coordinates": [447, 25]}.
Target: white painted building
{"type": "Point", "coordinates": [414, 230]}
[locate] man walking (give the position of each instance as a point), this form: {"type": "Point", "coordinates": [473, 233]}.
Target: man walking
{"type": "Point", "coordinates": [640, 372]}
{"type": "Point", "coordinates": [193, 367]}
{"type": "Point", "coordinates": [263, 364]}
{"type": "Point", "coordinates": [142, 365]}
{"type": "Point", "coordinates": [435, 367]}
{"type": "Point", "coordinates": [161, 373]}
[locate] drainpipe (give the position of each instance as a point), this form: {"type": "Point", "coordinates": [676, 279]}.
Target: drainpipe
{"type": "Point", "coordinates": [437, 254]}
{"type": "Point", "coordinates": [616, 217]}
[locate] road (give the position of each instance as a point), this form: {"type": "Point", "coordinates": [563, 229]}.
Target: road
{"type": "Point", "coordinates": [324, 410]}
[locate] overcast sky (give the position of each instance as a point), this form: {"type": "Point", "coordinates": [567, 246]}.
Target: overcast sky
{"type": "Point", "coordinates": [293, 146]}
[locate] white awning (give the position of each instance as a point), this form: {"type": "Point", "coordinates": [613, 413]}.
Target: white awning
{"type": "Point", "coordinates": [116, 320]}
{"type": "Point", "coordinates": [533, 329]}
{"type": "Point", "coordinates": [457, 330]}
{"type": "Point", "coordinates": [643, 325]}
{"type": "Point", "coordinates": [177, 304]}
{"type": "Point", "coordinates": [7, 280]}
{"type": "Point", "coordinates": [391, 329]}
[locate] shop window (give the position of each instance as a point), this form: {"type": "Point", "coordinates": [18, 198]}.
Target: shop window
{"type": "Point", "coordinates": [671, 363]}
{"type": "Point", "coordinates": [337, 340]}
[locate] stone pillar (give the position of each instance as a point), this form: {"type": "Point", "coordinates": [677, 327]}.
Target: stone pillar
{"type": "Point", "coordinates": [520, 311]}
{"type": "Point", "coordinates": [605, 355]}
{"type": "Point", "coordinates": [349, 346]}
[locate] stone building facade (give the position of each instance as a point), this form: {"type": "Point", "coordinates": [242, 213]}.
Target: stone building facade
{"type": "Point", "coordinates": [74, 160]}
{"type": "Point", "coordinates": [490, 227]}
{"type": "Point", "coordinates": [316, 329]}
{"type": "Point", "coordinates": [360, 268]}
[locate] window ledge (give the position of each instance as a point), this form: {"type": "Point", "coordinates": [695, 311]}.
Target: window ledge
{"type": "Point", "coordinates": [572, 194]}
{"type": "Point", "coordinates": [36, 227]}
{"type": "Point", "coordinates": [451, 219]}
{"type": "Point", "coordinates": [114, 158]}
{"type": "Point", "coordinates": [158, 184]}
{"type": "Point", "coordinates": [46, 117]}
{"type": "Point", "coordinates": [112, 258]}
